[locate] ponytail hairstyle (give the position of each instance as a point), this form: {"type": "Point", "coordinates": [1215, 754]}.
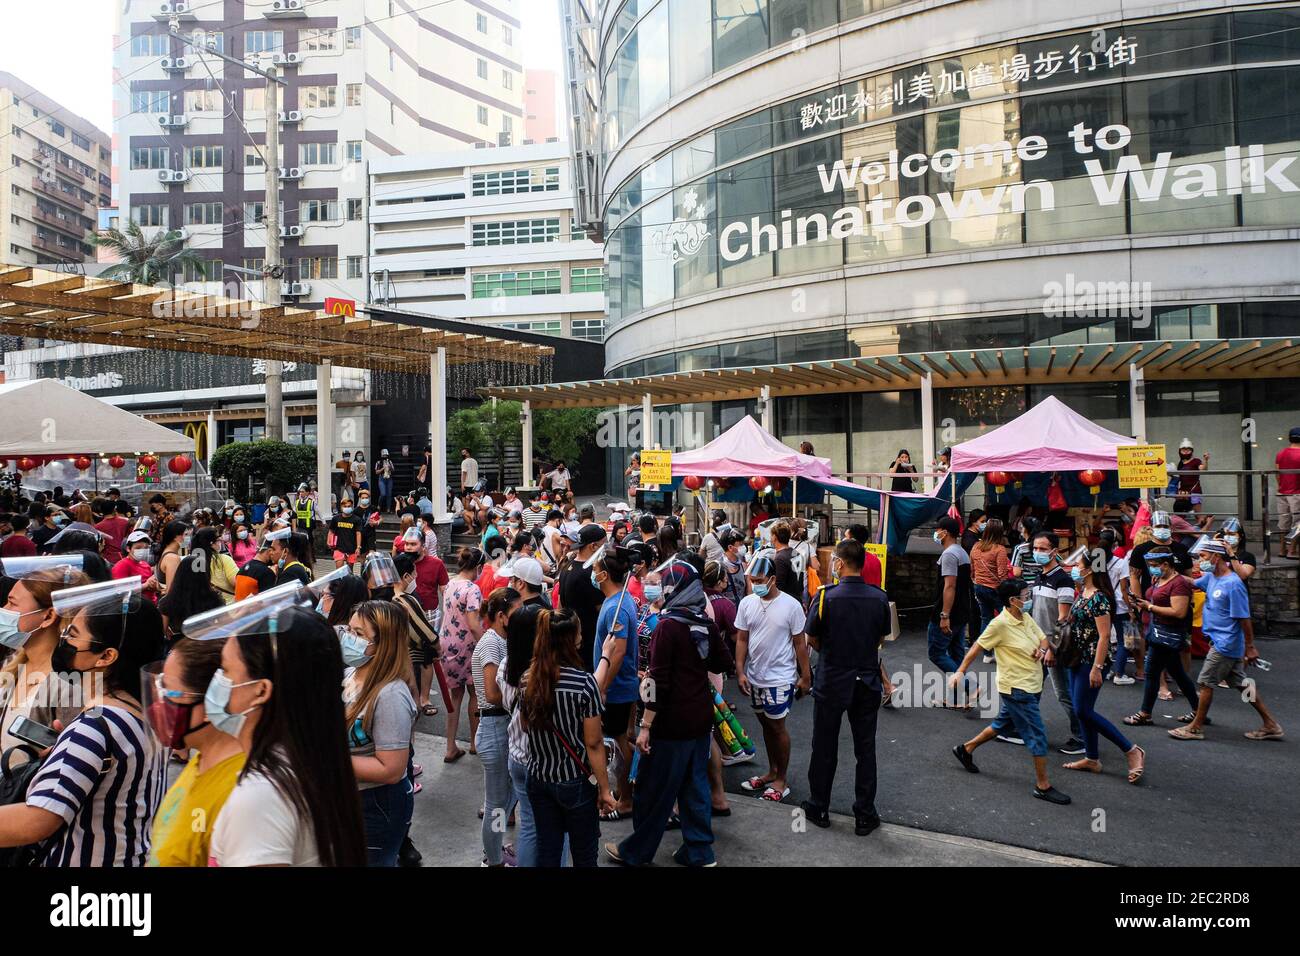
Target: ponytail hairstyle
{"type": "Point", "coordinates": [556, 646]}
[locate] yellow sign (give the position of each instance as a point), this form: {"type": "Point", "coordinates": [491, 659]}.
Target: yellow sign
{"type": "Point", "coordinates": [1142, 466]}
{"type": "Point", "coordinates": [656, 467]}
{"type": "Point", "coordinates": [882, 552]}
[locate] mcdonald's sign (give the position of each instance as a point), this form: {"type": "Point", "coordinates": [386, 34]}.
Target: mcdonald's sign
{"type": "Point", "coordinates": [199, 432]}
{"type": "Point", "coordinates": [346, 307]}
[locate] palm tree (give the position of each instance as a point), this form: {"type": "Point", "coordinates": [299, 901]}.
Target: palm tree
{"type": "Point", "coordinates": [147, 260]}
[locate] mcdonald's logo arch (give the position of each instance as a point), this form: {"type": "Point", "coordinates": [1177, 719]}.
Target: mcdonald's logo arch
{"type": "Point", "coordinates": [346, 307]}
{"type": "Point", "coordinates": [199, 432]}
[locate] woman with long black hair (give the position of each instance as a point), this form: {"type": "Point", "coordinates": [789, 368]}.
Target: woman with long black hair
{"type": "Point", "coordinates": [568, 787]}
{"type": "Point", "coordinates": [341, 597]}
{"type": "Point", "coordinates": [189, 585]}
{"type": "Point", "coordinates": [296, 802]}
{"type": "Point", "coordinates": [169, 550]}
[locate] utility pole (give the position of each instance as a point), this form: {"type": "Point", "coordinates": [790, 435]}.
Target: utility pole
{"type": "Point", "coordinates": [273, 268]}
{"type": "Point", "coordinates": [272, 265]}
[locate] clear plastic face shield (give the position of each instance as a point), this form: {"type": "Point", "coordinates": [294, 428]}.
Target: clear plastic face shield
{"type": "Point", "coordinates": [82, 648]}
{"type": "Point", "coordinates": [25, 567]}
{"type": "Point", "coordinates": [318, 587]}
{"type": "Point", "coordinates": [380, 571]}
{"type": "Point", "coordinates": [254, 615]}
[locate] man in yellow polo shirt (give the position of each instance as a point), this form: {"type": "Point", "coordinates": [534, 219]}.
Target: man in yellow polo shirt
{"type": "Point", "coordinates": [1020, 649]}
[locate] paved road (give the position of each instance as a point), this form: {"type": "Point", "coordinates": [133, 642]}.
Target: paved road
{"type": "Point", "coordinates": [1222, 801]}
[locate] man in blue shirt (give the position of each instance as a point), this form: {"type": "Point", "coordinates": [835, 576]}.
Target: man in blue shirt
{"type": "Point", "coordinates": [1223, 621]}
{"type": "Point", "coordinates": [617, 619]}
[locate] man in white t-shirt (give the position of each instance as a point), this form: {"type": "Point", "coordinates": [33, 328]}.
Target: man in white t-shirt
{"type": "Point", "coordinates": [468, 470]}
{"type": "Point", "coordinates": [771, 666]}
{"type": "Point", "coordinates": [559, 477]}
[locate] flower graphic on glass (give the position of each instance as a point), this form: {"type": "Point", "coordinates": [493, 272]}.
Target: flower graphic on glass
{"type": "Point", "coordinates": [685, 236]}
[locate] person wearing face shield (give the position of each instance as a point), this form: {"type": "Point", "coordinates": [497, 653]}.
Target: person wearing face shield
{"type": "Point", "coordinates": [1226, 620]}
{"type": "Point", "coordinates": [134, 563]}
{"type": "Point", "coordinates": [174, 690]}
{"type": "Point", "coordinates": [93, 801]}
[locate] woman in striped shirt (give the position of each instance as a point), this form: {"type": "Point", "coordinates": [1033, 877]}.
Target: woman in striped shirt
{"type": "Point", "coordinates": [568, 786]}
{"type": "Point", "coordinates": [93, 801]}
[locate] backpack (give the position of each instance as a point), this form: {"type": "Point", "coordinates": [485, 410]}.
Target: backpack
{"type": "Point", "coordinates": [14, 784]}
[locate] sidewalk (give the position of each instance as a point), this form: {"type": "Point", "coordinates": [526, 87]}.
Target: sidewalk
{"type": "Point", "coordinates": [446, 829]}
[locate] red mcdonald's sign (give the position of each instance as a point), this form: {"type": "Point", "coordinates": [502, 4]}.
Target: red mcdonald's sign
{"type": "Point", "coordinates": [346, 307]}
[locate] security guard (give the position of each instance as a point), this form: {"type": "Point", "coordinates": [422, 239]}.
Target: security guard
{"type": "Point", "coordinates": [846, 625]}
{"type": "Point", "coordinates": [304, 511]}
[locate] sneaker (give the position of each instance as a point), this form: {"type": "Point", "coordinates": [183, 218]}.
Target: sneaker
{"type": "Point", "coordinates": [1073, 747]}
{"type": "Point", "coordinates": [730, 760]}
{"type": "Point", "coordinates": [818, 818]}
{"type": "Point", "coordinates": [1008, 739]}
{"type": "Point", "coordinates": [865, 826]}
{"type": "Point", "coordinates": [1052, 795]}
{"type": "Point", "coordinates": [1121, 679]}
{"type": "Point", "coordinates": [964, 758]}
{"type": "Point", "coordinates": [680, 859]}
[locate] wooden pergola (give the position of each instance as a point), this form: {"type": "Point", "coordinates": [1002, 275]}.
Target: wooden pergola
{"type": "Point", "coordinates": [37, 303]}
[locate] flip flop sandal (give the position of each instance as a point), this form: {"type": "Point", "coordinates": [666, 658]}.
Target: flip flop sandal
{"type": "Point", "coordinates": [612, 817]}
{"type": "Point", "coordinates": [454, 757]}
{"type": "Point", "coordinates": [1136, 720]}
{"type": "Point", "coordinates": [1184, 733]}
{"type": "Point", "coordinates": [1166, 695]}
{"type": "Point", "coordinates": [771, 793]}
{"type": "Point", "coordinates": [417, 771]}
{"type": "Point", "coordinates": [674, 822]}
{"type": "Point", "coordinates": [1188, 718]}
{"type": "Point", "coordinates": [428, 710]}
{"type": "Point", "coordinates": [754, 784]}
{"type": "Point", "coordinates": [416, 788]}
{"type": "Point", "coordinates": [1264, 735]}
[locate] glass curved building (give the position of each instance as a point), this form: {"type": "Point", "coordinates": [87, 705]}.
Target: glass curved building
{"type": "Point", "coordinates": [797, 181]}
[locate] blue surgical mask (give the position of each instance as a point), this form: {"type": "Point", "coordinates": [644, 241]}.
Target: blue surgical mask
{"type": "Point", "coordinates": [1232, 539]}
{"type": "Point", "coordinates": [1042, 557]}
{"type": "Point", "coordinates": [1076, 574]}
{"type": "Point", "coordinates": [653, 592]}
{"type": "Point", "coordinates": [1206, 566]}
{"type": "Point", "coordinates": [595, 582]}
{"type": "Point", "coordinates": [354, 647]}
{"type": "Point", "coordinates": [10, 635]}
{"type": "Point", "coordinates": [938, 539]}
{"type": "Point", "coordinates": [217, 698]}
{"type": "Point", "coordinates": [1161, 534]}
{"type": "Point", "coordinates": [320, 607]}
{"type": "Point", "coordinates": [761, 590]}
{"type": "Point", "coordinates": [1028, 605]}
{"type": "Point", "coordinates": [347, 511]}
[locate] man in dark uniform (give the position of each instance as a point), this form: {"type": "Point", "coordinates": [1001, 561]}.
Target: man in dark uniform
{"type": "Point", "coordinates": [846, 623]}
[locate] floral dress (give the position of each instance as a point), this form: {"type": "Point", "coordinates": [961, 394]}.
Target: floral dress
{"type": "Point", "coordinates": [1083, 623]}
{"type": "Point", "coordinates": [459, 598]}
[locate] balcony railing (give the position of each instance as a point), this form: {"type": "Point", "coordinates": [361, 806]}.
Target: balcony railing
{"type": "Point", "coordinates": [66, 224]}
{"type": "Point", "coordinates": [68, 199]}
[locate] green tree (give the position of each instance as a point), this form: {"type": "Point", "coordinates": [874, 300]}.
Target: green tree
{"type": "Point", "coordinates": [489, 428]}
{"type": "Point", "coordinates": [281, 465]}
{"type": "Point", "coordinates": [148, 260]}
{"type": "Point", "coordinates": [563, 434]}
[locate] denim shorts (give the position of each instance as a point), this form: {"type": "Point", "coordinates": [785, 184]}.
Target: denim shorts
{"type": "Point", "coordinates": [1019, 711]}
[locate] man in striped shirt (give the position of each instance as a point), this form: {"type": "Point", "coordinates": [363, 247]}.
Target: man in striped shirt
{"type": "Point", "coordinates": [534, 516]}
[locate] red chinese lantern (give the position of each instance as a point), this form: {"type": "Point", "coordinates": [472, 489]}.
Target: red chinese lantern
{"type": "Point", "coordinates": [82, 462]}
{"type": "Point", "coordinates": [26, 463]}
{"type": "Point", "coordinates": [692, 482]}
{"type": "Point", "coordinates": [179, 465]}
{"type": "Point", "coordinates": [721, 484]}
{"type": "Point", "coordinates": [1017, 479]}
{"type": "Point", "coordinates": [148, 460]}
{"type": "Point", "coordinates": [758, 483]}
{"type": "Point", "coordinates": [999, 480]}
{"type": "Point", "coordinates": [116, 462]}
{"type": "Point", "coordinates": [1093, 479]}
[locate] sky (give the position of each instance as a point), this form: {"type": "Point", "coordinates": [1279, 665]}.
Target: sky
{"type": "Point", "coordinates": [81, 77]}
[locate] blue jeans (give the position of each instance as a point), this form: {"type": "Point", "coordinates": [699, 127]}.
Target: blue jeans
{"type": "Point", "coordinates": [674, 771]}
{"type": "Point", "coordinates": [526, 832]}
{"type": "Point", "coordinates": [386, 812]}
{"type": "Point", "coordinates": [560, 809]}
{"type": "Point", "coordinates": [494, 755]}
{"type": "Point", "coordinates": [987, 599]}
{"type": "Point", "coordinates": [946, 650]}
{"type": "Point", "coordinates": [1084, 696]}
{"type": "Point", "coordinates": [1061, 684]}
{"type": "Point", "coordinates": [385, 492]}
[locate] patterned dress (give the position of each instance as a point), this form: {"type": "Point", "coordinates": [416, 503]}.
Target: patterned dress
{"type": "Point", "coordinates": [1083, 622]}
{"type": "Point", "coordinates": [459, 598]}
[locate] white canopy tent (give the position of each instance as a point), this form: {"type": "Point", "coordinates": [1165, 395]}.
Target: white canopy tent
{"type": "Point", "coordinates": [45, 417]}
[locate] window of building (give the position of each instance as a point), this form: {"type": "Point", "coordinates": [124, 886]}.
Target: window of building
{"type": "Point", "coordinates": [591, 279]}
{"type": "Point", "coordinates": [482, 69]}
{"type": "Point", "coordinates": [81, 141]}
{"type": "Point", "coordinates": [253, 157]}
{"type": "Point", "coordinates": [352, 94]}
{"type": "Point", "coordinates": [355, 267]}
{"type": "Point", "coordinates": [150, 157]}
{"type": "Point", "coordinates": [318, 267]}
{"type": "Point", "coordinates": [202, 214]}
{"type": "Point", "coordinates": [318, 210]}
{"type": "Point", "coordinates": [740, 30]}
{"type": "Point", "coordinates": [353, 39]}
{"type": "Point", "coordinates": [254, 265]}
{"type": "Point", "coordinates": [392, 113]}
{"type": "Point", "coordinates": [516, 232]}
{"type": "Point", "coordinates": [149, 44]}
{"type": "Point", "coordinates": [216, 41]}
{"type": "Point", "coordinates": [255, 212]}
{"type": "Point", "coordinates": [149, 214]}
{"type": "Point", "coordinates": [150, 101]}
{"type": "Point", "coordinates": [507, 79]}
{"type": "Point", "coordinates": [205, 270]}
{"type": "Point", "coordinates": [507, 123]}
{"type": "Point", "coordinates": [354, 151]}
{"type": "Point", "coordinates": [318, 41]}
{"type": "Point", "coordinates": [263, 41]}
{"type": "Point", "coordinates": [480, 21]}
{"type": "Point", "coordinates": [593, 330]}
{"type": "Point", "coordinates": [507, 34]}
{"type": "Point", "coordinates": [205, 157]}
{"type": "Point", "coordinates": [508, 182]}
{"type": "Point", "coordinates": [545, 327]}
{"type": "Point", "coordinates": [392, 61]}
{"type": "Point", "coordinates": [254, 99]}
{"type": "Point", "coordinates": [318, 154]}
{"type": "Point", "coordinates": [483, 115]}
{"type": "Point", "coordinates": [356, 209]}
{"type": "Point", "coordinates": [490, 285]}
{"type": "Point", "coordinates": [318, 97]}
{"type": "Point", "coordinates": [203, 101]}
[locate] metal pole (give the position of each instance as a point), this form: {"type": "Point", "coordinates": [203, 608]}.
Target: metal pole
{"type": "Point", "coordinates": [927, 426]}
{"type": "Point", "coordinates": [438, 431]}
{"type": "Point", "coordinates": [272, 265]}
{"type": "Point", "coordinates": [1263, 502]}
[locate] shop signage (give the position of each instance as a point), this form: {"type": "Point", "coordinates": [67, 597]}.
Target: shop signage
{"type": "Point", "coordinates": [1142, 466]}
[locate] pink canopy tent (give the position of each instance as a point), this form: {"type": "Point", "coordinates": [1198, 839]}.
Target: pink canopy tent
{"type": "Point", "coordinates": [1049, 437]}
{"type": "Point", "coordinates": [747, 449]}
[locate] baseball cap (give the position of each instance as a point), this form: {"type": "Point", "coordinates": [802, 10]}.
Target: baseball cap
{"type": "Point", "coordinates": [136, 536]}
{"type": "Point", "coordinates": [528, 570]}
{"type": "Point", "coordinates": [590, 534]}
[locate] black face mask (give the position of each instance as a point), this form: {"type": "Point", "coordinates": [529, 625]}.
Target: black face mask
{"type": "Point", "coordinates": [63, 656]}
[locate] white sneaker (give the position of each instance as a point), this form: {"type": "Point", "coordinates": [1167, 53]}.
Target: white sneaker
{"type": "Point", "coordinates": [730, 760]}
{"type": "Point", "coordinates": [1123, 679]}
{"type": "Point", "coordinates": [1007, 739]}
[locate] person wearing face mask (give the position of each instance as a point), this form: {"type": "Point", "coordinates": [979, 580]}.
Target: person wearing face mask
{"type": "Point", "coordinates": [291, 557]}
{"type": "Point", "coordinates": [617, 620]}
{"type": "Point", "coordinates": [1019, 646]}
{"type": "Point", "coordinates": [29, 631]}
{"type": "Point", "coordinates": [1140, 580]}
{"type": "Point", "coordinates": [369, 516]}
{"type": "Point", "coordinates": [1188, 475]}
{"type": "Point", "coordinates": [1241, 560]}
{"type": "Point", "coordinates": [976, 522]}
{"type": "Point", "coordinates": [430, 572]}
{"type": "Point", "coordinates": [302, 506]}
{"type": "Point", "coordinates": [277, 693]}
{"type": "Point", "coordinates": [173, 703]}
{"type": "Point", "coordinates": [243, 546]}
{"type": "Point", "coordinates": [257, 574]}
{"type": "Point", "coordinates": [492, 738]}
{"type": "Point", "coordinates": [340, 600]}
{"type": "Point", "coordinates": [346, 530]}
{"type": "Point", "coordinates": [1050, 601]}
{"type": "Point", "coordinates": [1226, 620]}
{"type": "Point", "coordinates": [380, 721]}
{"type": "Point", "coordinates": [92, 803]}
{"type": "Point", "coordinates": [1167, 606]}
{"type": "Point", "coordinates": [461, 629]}
{"type": "Point", "coordinates": [52, 521]}
{"type": "Point", "coordinates": [135, 563]}
{"type": "Point", "coordinates": [733, 566]}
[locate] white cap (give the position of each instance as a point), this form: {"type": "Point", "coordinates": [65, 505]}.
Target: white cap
{"type": "Point", "coordinates": [528, 570]}
{"type": "Point", "coordinates": [136, 536]}
{"type": "Point", "coordinates": [1185, 443]}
